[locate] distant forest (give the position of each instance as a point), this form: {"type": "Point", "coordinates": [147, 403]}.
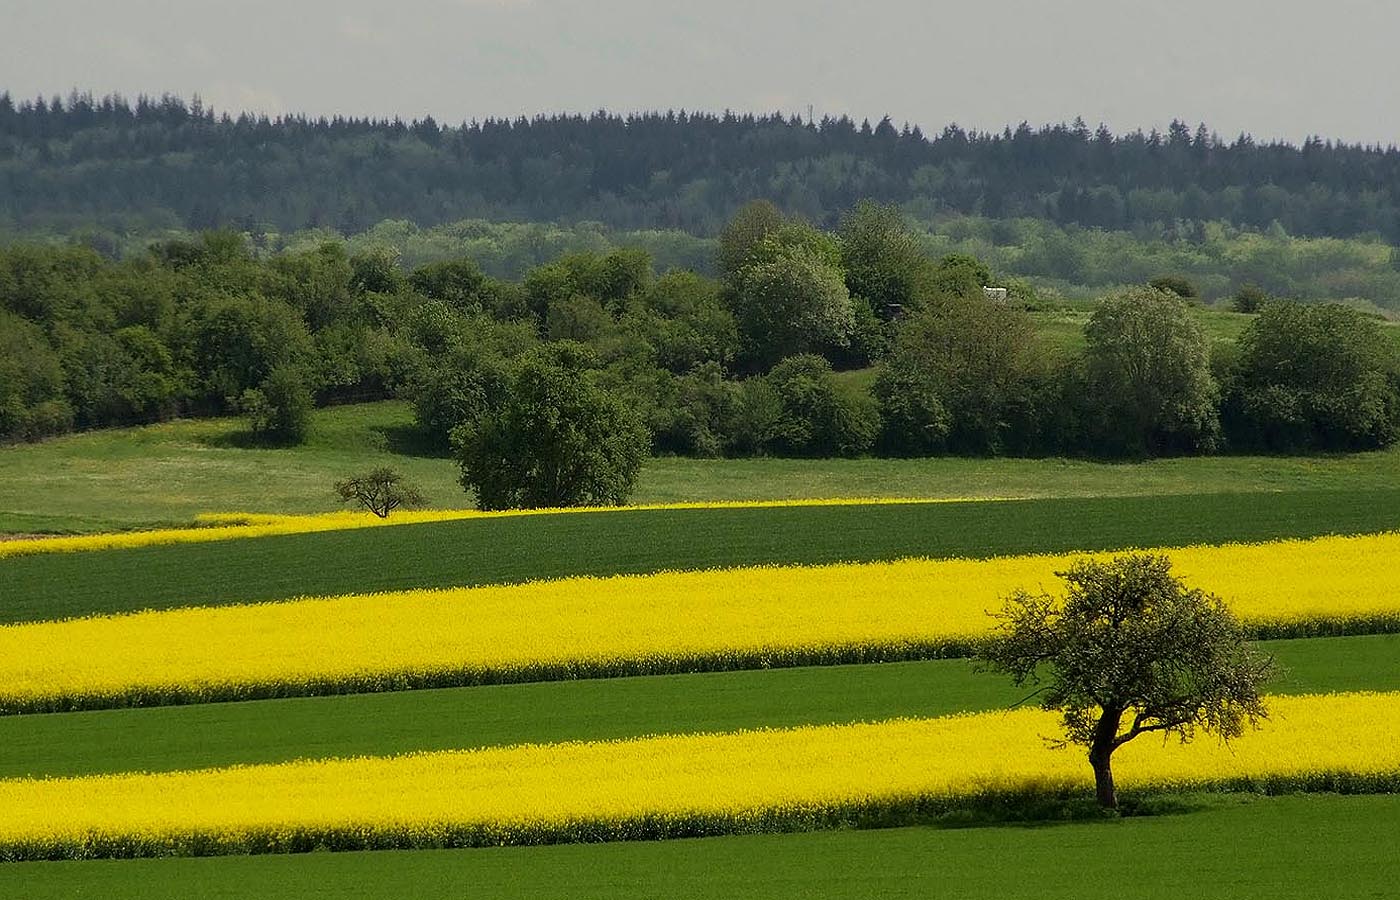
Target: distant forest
{"type": "Point", "coordinates": [167, 164]}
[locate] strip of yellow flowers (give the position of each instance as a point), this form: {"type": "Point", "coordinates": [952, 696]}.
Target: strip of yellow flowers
{"type": "Point", "coordinates": [672, 785]}
{"type": "Point", "coordinates": [233, 526]}
{"type": "Point", "coordinates": [671, 621]}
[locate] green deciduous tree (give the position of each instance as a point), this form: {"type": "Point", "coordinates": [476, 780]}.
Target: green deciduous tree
{"type": "Point", "coordinates": [960, 275]}
{"type": "Point", "coordinates": [455, 389]}
{"type": "Point", "coordinates": [748, 228]}
{"type": "Point", "coordinates": [790, 296]}
{"type": "Point", "coordinates": [32, 400]}
{"type": "Point", "coordinates": [882, 259]}
{"type": "Point", "coordinates": [380, 490]}
{"type": "Point", "coordinates": [963, 376]}
{"type": "Point", "coordinates": [684, 319]}
{"type": "Point", "coordinates": [1149, 383]}
{"type": "Point", "coordinates": [1314, 377]}
{"type": "Point", "coordinates": [1128, 651]}
{"type": "Point", "coordinates": [457, 282]}
{"type": "Point", "coordinates": [1175, 284]}
{"type": "Point", "coordinates": [376, 270]}
{"type": "Point", "coordinates": [1250, 298]}
{"type": "Point", "coordinates": [816, 415]}
{"type": "Point", "coordinates": [607, 278]}
{"type": "Point", "coordinates": [279, 409]}
{"type": "Point", "coordinates": [240, 340]}
{"type": "Point", "coordinates": [554, 439]}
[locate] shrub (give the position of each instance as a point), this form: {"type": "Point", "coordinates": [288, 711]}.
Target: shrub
{"type": "Point", "coordinates": [279, 409]}
{"type": "Point", "coordinates": [818, 417]}
{"type": "Point", "coordinates": [1179, 285]}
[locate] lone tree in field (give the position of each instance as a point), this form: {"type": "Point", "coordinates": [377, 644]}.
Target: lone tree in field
{"type": "Point", "coordinates": [1130, 650]}
{"type": "Point", "coordinates": [381, 491]}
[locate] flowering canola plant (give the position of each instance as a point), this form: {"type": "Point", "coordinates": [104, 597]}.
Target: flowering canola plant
{"type": "Point", "coordinates": [672, 621]}
{"type": "Point", "coordinates": [232, 526]}
{"type": "Point", "coordinates": [671, 785]}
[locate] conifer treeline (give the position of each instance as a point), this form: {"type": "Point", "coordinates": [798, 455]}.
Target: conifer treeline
{"type": "Point", "coordinates": [163, 162]}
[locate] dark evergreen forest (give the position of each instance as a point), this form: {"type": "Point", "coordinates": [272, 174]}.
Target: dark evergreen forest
{"type": "Point", "coordinates": [165, 163]}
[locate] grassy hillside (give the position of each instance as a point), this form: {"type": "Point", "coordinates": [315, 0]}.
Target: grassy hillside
{"type": "Point", "coordinates": [169, 473]}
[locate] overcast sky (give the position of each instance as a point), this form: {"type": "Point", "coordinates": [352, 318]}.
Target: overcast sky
{"type": "Point", "coordinates": [1275, 68]}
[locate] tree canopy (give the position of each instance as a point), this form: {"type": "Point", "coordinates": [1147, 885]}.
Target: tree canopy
{"type": "Point", "coordinates": [553, 439]}
{"type": "Point", "coordinates": [1319, 377]}
{"type": "Point", "coordinates": [776, 357]}
{"type": "Point", "coordinates": [1149, 380]}
{"type": "Point", "coordinates": [1127, 651]}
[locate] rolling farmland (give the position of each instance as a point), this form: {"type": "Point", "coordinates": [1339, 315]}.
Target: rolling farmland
{"type": "Point", "coordinates": [817, 693]}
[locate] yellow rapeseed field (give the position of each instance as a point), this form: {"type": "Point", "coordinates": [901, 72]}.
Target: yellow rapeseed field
{"type": "Point", "coordinates": [232, 526]}
{"type": "Point", "coordinates": [667, 785]}
{"type": "Point", "coordinates": [633, 624]}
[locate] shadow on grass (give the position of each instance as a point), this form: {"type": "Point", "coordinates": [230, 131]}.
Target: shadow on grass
{"type": "Point", "coordinates": [1031, 811]}
{"type": "Point", "coordinates": [410, 440]}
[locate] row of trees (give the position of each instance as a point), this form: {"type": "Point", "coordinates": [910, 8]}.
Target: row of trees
{"type": "Point", "coordinates": [166, 163]}
{"type": "Point", "coordinates": [809, 343]}
{"type": "Point", "coordinates": [1065, 260]}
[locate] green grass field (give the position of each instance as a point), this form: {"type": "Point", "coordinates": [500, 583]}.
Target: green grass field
{"type": "Point", "coordinates": [512, 549]}
{"type": "Point", "coordinates": [1193, 845]}
{"type": "Point", "coordinates": [217, 734]}
{"type": "Point", "coordinates": [169, 473]}
{"type": "Point", "coordinates": [1281, 848]}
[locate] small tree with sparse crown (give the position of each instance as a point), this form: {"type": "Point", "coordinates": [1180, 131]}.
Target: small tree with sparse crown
{"type": "Point", "coordinates": [1130, 650]}
{"type": "Point", "coordinates": [381, 491]}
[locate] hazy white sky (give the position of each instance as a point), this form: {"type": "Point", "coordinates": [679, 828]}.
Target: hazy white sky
{"type": "Point", "coordinates": [1275, 68]}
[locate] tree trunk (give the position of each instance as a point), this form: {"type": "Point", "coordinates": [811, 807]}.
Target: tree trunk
{"type": "Point", "coordinates": [1101, 757]}
{"type": "Point", "coordinates": [1103, 780]}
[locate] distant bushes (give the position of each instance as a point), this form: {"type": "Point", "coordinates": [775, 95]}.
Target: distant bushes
{"type": "Point", "coordinates": [552, 439]}
{"type": "Point", "coordinates": [1314, 378]}
{"type": "Point", "coordinates": [1149, 387]}
{"type": "Point", "coordinates": [964, 376]}
{"type": "Point", "coordinates": [279, 409]}
{"type": "Point", "coordinates": [758, 361]}
{"type": "Point", "coordinates": [33, 403]}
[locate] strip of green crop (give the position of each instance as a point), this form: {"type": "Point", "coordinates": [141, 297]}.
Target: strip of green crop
{"type": "Point", "coordinates": [221, 734]}
{"type": "Point", "coordinates": [1297, 848]}
{"type": "Point", "coordinates": [493, 551]}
